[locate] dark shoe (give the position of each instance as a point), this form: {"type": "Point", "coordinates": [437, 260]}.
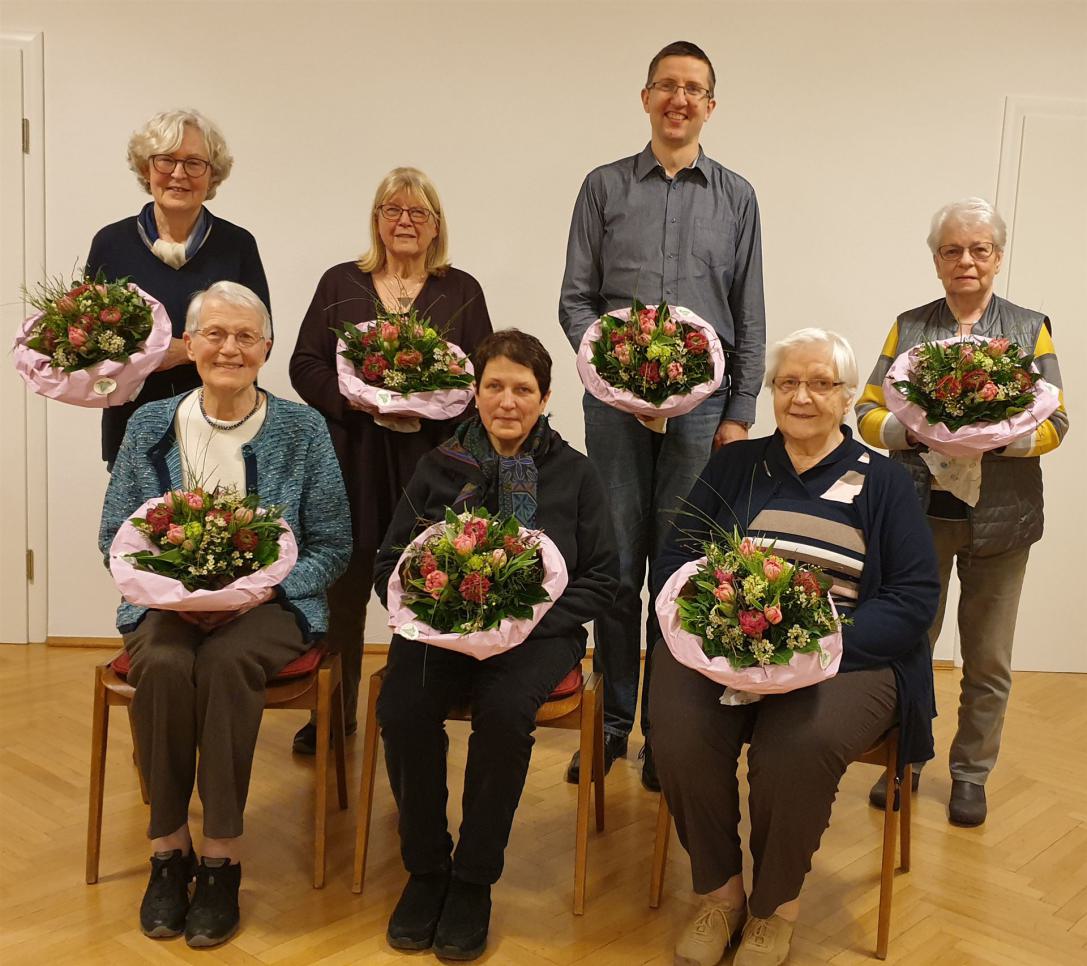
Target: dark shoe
{"type": "Point", "coordinates": [967, 806]}
{"type": "Point", "coordinates": [615, 746]}
{"type": "Point", "coordinates": [162, 912]}
{"type": "Point", "coordinates": [466, 916]}
{"type": "Point", "coordinates": [305, 739]}
{"type": "Point", "coordinates": [650, 781]}
{"type": "Point", "coordinates": [416, 915]}
{"type": "Point", "coordinates": [877, 794]}
{"type": "Point", "coordinates": [213, 914]}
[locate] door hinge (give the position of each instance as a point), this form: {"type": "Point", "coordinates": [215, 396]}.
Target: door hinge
{"type": "Point", "coordinates": [30, 565]}
{"type": "Point", "coordinates": [26, 135]}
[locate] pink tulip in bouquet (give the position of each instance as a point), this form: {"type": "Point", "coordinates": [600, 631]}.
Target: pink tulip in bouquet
{"type": "Point", "coordinates": [191, 550]}
{"type": "Point", "coordinates": [652, 362]}
{"type": "Point", "coordinates": [475, 583]}
{"type": "Point", "coordinates": [750, 620]}
{"type": "Point", "coordinates": [399, 365]}
{"type": "Point", "coordinates": [963, 397]}
{"type": "Point", "coordinates": [91, 343]}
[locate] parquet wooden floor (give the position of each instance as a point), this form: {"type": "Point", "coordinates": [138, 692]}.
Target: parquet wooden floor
{"type": "Point", "coordinates": [1013, 892]}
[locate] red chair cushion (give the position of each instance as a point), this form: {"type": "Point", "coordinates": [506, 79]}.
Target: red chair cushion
{"type": "Point", "coordinates": [570, 684]}
{"type": "Point", "coordinates": [301, 666]}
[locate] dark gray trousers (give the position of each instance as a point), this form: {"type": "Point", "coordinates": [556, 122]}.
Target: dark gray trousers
{"type": "Point", "coordinates": [800, 746]}
{"type": "Point", "coordinates": [204, 692]}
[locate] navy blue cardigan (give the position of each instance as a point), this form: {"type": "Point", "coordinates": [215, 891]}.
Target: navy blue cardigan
{"type": "Point", "coordinates": [900, 587]}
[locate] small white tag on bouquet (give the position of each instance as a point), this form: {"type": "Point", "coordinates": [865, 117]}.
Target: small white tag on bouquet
{"type": "Point", "coordinates": [959, 475]}
{"type": "Point", "coordinates": [103, 387]}
{"type": "Point", "coordinates": [735, 699]}
{"type": "Point", "coordinates": [408, 631]}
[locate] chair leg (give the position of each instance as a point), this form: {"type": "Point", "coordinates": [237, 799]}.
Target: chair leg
{"type": "Point", "coordinates": [339, 743]}
{"type": "Point", "coordinates": [887, 867]}
{"type": "Point", "coordinates": [320, 799]}
{"type": "Point", "coordinates": [136, 758]}
{"type": "Point", "coordinates": [660, 853]}
{"type": "Point", "coordinates": [905, 818]}
{"type": "Point", "coordinates": [99, 737]}
{"type": "Point", "coordinates": [366, 783]}
{"type": "Point", "coordinates": [584, 787]}
{"type": "Point", "coordinates": [593, 705]}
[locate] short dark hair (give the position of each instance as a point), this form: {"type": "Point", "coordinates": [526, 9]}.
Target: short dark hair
{"type": "Point", "coordinates": [681, 48]}
{"type": "Point", "coordinates": [517, 346]}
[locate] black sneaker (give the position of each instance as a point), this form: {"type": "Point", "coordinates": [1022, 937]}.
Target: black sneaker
{"type": "Point", "coordinates": [416, 915]}
{"type": "Point", "coordinates": [213, 912]}
{"type": "Point", "coordinates": [166, 900]}
{"type": "Point", "coordinates": [649, 770]}
{"type": "Point", "coordinates": [305, 739]}
{"type": "Point", "coordinates": [877, 794]}
{"type": "Point", "coordinates": [615, 746]}
{"type": "Point", "coordinates": [466, 916]}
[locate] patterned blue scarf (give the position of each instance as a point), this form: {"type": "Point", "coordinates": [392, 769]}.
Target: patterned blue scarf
{"type": "Point", "coordinates": [149, 230]}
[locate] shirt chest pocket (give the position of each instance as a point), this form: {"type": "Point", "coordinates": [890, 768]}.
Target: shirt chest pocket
{"type": "Point", "coordinates": [713, 243]}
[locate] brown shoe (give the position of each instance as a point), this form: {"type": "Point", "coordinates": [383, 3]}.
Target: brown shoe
{"type": "Point", "coordinates": [967, 806]}
{"type": "Point", "coordinates": [765, 942]}
{"type": "Point", "coordinates": [710, 933]}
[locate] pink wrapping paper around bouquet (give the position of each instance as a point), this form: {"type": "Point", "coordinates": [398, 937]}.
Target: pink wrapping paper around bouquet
{"type": "Point", "coordinates": [801, 672]}
{"type": "Point", "coordinates": [970, 440]}
{"type": "Point", "coordinates": [628, 402]}
{"type": "Point", "coordinates": [379, 401]}
{"type": "Point", "coordinates": [78, 388]}
{"type": "Point", "coordinates": [159, 592]}
{"type": "Point", "coordinates": [479, 644]}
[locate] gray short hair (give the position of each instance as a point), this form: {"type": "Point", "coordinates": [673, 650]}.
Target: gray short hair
{"type": "Point", "coordinates": [841, 356]}
{"type": "Point", "coordinates": [233, 294]}
{"type": "Point", "coordinates": [164, 132]}
{"type": "Point", "coordinates": [968, 212]}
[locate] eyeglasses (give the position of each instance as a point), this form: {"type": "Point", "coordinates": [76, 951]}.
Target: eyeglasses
{"type": "Point", "coordinates": [981, 252]}
{"type": "Point", "coordinates": [245, 339]}
{"type": "Point", "coordinates": [817, 387]}
{"type": "Point", "coordinates": [167, 164]}
{"type": "Point", "coordinates": [668, 88]}
{"type": "Point", "coordinates": [393, 213]}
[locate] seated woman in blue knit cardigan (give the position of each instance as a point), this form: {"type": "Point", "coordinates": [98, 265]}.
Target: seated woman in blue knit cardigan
{"type": "Point", "coordinates": [825, 499]}
{"type": "Point", "coordinates": [200, 677]}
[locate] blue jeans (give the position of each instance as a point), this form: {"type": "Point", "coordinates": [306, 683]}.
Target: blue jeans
{"type": "Point", "coordinates": [647, 476]}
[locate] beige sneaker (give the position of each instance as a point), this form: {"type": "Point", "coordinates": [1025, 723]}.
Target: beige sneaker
{"type": "Point", "coordinates": [765, 942]}
{"type": "Point", "coordinates": [706, 937]}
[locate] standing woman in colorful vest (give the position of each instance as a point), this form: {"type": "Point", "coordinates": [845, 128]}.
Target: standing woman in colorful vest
{"type": "Point", "coordinates": [174, 247]}
{"type": "Point", "coordinates": [989, 543]}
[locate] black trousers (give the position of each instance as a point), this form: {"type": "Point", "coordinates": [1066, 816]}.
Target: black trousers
{"type": "Point", "coordinates": [800, 746]}
{"type": "Point", "coordinates": [421, 685]}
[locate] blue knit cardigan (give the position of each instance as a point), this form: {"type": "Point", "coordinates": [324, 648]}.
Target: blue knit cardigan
{"type": "Point", "coordinates": [290, 462]}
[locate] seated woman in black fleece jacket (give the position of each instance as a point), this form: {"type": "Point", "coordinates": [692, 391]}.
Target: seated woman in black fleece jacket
{"type": "Point", "coordinates": [507, 451]}
{"type": "Point", "coordinates": [826, 499]}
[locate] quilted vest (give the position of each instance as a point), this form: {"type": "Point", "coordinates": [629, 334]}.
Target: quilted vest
{"type": "Point", "coordinates": [1008, 514]}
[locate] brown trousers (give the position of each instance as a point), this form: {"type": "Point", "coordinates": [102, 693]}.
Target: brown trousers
{"type": "Point", "coordinates": [800, 746]}
{"type": "Point", "coordinates": [204, 692]}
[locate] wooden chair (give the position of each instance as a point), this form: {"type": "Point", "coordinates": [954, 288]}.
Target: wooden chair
{"type": "Point", "coordinates": [311, 682]}
{"type": "Point", "coordinates": [885, 754]}
{"type": "Point", "coordinates": [575, 703]}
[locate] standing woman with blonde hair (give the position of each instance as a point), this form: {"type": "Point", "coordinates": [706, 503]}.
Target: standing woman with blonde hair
{"type": "Point", "coordinates": [174, 247]}
{"type": "Point", "coordinates": [407, 266]}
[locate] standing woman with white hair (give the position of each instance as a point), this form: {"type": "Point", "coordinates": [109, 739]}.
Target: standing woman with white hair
{"type": "Point", "coordinates": [990, 541]}
{"type": "Point", "coordinates": [174, 247]}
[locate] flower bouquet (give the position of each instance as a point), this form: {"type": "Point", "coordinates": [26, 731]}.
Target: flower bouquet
{"type": "Point", "coordinates": [475, 583]}
{"type": "Point", "coordinates": [963, 397]}
{"type": "Point", "coordinates": [191, 550]}
{"type": "Point", "coordinates": [399, 365]}
{"type": "Point", "coordinates": [92, 343]}
{"type": "Point", "coordinates": [652, 362]}
{"type": "Point", "coordinates": [747, 619]}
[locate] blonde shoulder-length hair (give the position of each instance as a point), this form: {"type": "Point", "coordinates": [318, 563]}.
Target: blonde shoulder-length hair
{"type": "Point", "coordinates": [422, 191]}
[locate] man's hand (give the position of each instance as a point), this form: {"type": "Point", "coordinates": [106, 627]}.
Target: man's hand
{"type": "Point", "coordinates": [176, 355]}
{"type": "Point", "coordinates": [728, 432]}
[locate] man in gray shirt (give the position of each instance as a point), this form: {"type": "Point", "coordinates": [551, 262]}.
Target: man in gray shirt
{"type": "Point", "coordinates": [670, 225]}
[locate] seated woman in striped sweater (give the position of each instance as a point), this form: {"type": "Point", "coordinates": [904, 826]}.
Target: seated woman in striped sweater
{"type": "Point", "coordinates": [828, 500]}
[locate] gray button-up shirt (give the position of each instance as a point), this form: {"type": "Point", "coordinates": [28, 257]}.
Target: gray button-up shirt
{"type": "Point", "coordinates": [692, 240]}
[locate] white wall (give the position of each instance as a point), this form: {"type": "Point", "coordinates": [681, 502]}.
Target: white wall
{"type": "Point", "coordinates": [854, 121]}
